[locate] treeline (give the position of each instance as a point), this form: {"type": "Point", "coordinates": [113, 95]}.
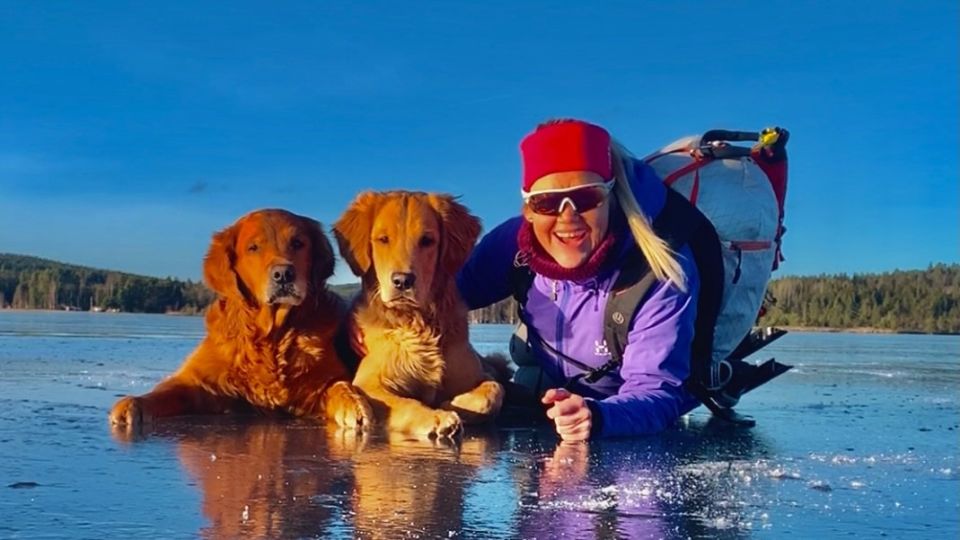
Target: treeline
{"type": "Point", "coordinates": [34, 283]}
{"type": "Point", "coordinates": [924, 301]}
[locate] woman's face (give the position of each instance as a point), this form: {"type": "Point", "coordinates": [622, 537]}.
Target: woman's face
{"type": "Point", "coordinates": [570, 236]}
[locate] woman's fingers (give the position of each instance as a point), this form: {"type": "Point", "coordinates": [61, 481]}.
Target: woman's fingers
{"type": "Point", "coordinates": [579, 432]}
{"type": "Point", "coordinates": [571, 415]}
{"type": "Point", "coordinates": [567, 406]}
{"type": "Point", "coordinates": [572, 419]}
{"type": "Point", "coordinates": [555, 394]}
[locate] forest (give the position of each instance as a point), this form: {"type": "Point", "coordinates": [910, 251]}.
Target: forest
{"type": "Point", "coordinates": [34, 283]}
{"type": "Point", "coordinates": [922, 301]}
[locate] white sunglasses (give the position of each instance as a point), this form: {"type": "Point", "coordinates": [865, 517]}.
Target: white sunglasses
{"type": "Point", "coordinates": [550, 202]}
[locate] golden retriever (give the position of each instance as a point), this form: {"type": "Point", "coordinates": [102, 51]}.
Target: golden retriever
{"type": "Point", "coordinates": [420, 372]}
{"type": "Point", "coordinates": [270, 332]}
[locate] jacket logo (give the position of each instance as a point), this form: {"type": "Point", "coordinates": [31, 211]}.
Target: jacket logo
{"type": "Point", "coordinates": [521, 259]}
{"type": "Point", "coordinates": [600, 348]}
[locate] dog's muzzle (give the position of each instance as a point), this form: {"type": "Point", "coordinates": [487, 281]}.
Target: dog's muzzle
{"type": "Point", "coordinates": [283, 285]}
{"type": "Point", "coordinates": [403, 281]}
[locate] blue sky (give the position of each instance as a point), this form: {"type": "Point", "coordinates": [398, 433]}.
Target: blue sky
{"type": "Point", "coordinates": [129, 133]}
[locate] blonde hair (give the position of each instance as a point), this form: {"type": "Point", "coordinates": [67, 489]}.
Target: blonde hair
{"type": "Point", "coordinates": [661, 258]}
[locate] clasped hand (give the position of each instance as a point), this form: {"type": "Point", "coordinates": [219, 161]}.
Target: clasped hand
{"type": "Point", "coordinates": [570, 414]}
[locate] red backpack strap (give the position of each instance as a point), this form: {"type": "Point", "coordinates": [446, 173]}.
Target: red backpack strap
{"type": "Point", "coordinates": [770, 154]}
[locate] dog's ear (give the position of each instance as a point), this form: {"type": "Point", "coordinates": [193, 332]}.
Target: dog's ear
{"type": "Point", "coordinates": [218, 272]}
{"type": "Point", "coordinates": [353, 230]}
{"type": "Point", "coordinates": [322, 258]}
{"type": "Point", "coordinates": [460, 231]}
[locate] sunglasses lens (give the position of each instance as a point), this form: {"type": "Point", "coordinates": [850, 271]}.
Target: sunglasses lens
{"type": "Point", "coordinates": [588, 198]}
{"type": "Point", "coordinates": [547, 204]}
{"type": "Point", "coordinates": [583, 200]}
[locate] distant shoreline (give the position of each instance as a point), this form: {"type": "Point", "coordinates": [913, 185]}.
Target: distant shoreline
{"type": "Point", "coordinates": [174, 313]}
{"type": "Point", "coordinates": [861, 330]}
{"type": "Point", "coordinates": [808, 329]}
{"type": "Point", "coordinates": [851, 330]}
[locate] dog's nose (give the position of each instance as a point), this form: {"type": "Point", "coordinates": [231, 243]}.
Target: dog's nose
{"type": "Point", "coordinates": [282, 274]}
{"type": "Point", "coordinates": [402, 280]}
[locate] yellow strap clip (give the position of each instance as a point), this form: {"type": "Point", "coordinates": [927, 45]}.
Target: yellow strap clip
{"type": "Point", "coordinates": [768, 137]}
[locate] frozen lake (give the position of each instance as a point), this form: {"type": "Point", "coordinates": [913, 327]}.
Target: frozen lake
{"type": "Point", "coordinates": [861, 439]}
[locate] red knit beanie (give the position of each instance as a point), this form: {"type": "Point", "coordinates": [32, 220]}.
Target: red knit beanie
{"type": "Point", "coordinates": [566, 145]}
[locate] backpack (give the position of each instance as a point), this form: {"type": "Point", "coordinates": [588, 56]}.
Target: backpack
{"type": "Point", "coordinates": [726, 203]}
{"type": "Point", "coordinates": [741, 191]}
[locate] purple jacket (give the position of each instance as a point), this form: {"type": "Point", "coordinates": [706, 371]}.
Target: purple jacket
{"type": "Point", "coordinates": [647, 394]}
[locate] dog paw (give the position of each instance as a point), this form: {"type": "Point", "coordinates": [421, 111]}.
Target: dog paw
{"type": "Point", "coordinates": [129, 412]}
{"type": "Point", "coordinates": [479, 405]}
{"type": "Point", "coordinates": [353, 410]}
{"type": "Point", "coordinates": [446, 424]}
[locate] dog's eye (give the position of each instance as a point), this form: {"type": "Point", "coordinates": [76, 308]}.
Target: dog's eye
{"type": "Point", "coordinates": [252, 248]}
{"type": "Point", "coordinates": [427, 241]}
{"type": "Point", "coordinates": [296, 244]}
{"type": "Point", "coordinates": [383, 239]}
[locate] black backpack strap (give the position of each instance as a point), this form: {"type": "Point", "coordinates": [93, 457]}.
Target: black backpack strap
{"type": "Point", "coordinates": [628, 291]}
{"type": "Point", "coordinates": [675, 225]}
{"type": "Point", "coordinates": [621, 306]}
{"type": "Point", "coordinates": [679, 223]}
{"type": "Point", "coordinates": [521, 279]}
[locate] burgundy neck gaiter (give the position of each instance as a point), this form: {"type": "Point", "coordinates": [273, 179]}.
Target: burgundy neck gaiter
{"type": "Point", "coordinates": [542, 263]}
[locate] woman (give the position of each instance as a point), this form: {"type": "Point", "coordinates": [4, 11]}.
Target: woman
{"type": "Point", "coordinates": [587, 205]}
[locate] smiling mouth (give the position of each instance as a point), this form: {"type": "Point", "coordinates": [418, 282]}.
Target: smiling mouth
{"type": "Point", "coordinates": [571, 237]}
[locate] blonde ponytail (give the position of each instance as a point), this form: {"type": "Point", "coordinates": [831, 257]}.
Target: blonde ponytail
{"type": "Point", "coordinates": [662, 260]}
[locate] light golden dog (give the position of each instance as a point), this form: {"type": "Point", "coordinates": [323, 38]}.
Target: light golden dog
{"type": "Point", "coordinates": [269, 341]}
{"type": "Point", "coordinates": [420, 372]}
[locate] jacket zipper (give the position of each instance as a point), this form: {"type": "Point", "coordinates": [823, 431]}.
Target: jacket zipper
{"type": "Point", "coordinates": [595, 289]}
{"type": "Point", "coordinates": [561, 304]}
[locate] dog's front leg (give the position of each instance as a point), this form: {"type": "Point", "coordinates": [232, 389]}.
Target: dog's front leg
{"type": "Point", "coordinates": [409, 415]}
{"type": "Point", "coordinates": [478, 405]}
{"type": "Point", "coordinates": [476, 396]}
{"type": "Point", "coordinates": [173, 397]}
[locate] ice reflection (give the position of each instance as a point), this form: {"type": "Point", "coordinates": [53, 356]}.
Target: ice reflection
{"type": "Point", "coordinates": [686, 483]}
{"type": "Point", "coordinates": [269, 479]}
{"type": "Point", "coordinates": [287, 479]}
